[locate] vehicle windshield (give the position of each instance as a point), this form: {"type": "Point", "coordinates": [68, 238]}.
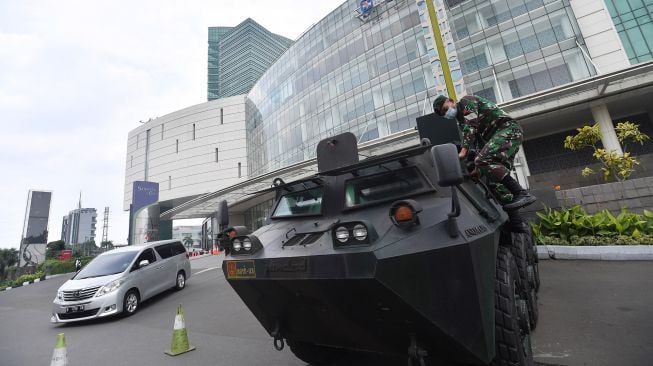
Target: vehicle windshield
{"type": "Point", "coordinates": [107, 264]}
{"type": "Point", "coordinates": [307, 202]}
{"type": "Point", "coordinates": [385, 186]}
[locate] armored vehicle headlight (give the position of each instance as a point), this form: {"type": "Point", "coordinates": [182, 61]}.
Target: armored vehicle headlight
{"type": "Point", "coordinates": [360, 232]}
{"type": "Point", "coordinates": [237, 244]}
{"type": "Point", "coordinates": [342, 234]}
{"type": "Point", "coordinates": [247, 244]}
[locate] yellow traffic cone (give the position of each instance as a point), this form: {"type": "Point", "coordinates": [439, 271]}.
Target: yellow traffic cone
{"type": "Point", "coordinates": [179, 336]}
{"type": "Point", "coordinates": [60, 355]}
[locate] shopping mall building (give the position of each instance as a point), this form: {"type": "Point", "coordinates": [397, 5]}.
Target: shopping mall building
{"type": "Point", "coordinates": [554, 65]}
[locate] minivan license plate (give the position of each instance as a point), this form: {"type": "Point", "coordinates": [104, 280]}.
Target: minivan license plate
{"type": "Point", "coordinates": [72, 309]}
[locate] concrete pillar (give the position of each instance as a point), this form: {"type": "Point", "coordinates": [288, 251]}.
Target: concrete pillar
{"type": "Point", "coordinates": [608, 135]}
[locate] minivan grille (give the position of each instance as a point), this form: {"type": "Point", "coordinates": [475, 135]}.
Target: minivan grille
{"type": "Point", "coordinates": [81, 294]}
{"type": "Point", "coordinates": [78, 314]}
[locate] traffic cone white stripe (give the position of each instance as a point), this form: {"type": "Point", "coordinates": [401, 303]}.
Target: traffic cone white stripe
{"type": "Point", "coordinates": [179, 323]}
{"type": "Point", "coordinates": [60, 355]}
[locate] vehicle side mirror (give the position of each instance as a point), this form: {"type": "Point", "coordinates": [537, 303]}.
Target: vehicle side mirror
{"type": "Point", "coordinates": [447, 165]}
{"type": "Point", "coordinates": [143, 263]}
{"type": "Point", "coordinates": [223, 215]}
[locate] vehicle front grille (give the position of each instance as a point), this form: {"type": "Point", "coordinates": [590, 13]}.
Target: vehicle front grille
{"type": "Point", "coordinates": [303, 239]}
{"type": "Point", "coordinates": [78, 314]}
{"type": "Point", "coordinates": [81, 294]}
{"type": "Point", "coordinates": [311, 238]}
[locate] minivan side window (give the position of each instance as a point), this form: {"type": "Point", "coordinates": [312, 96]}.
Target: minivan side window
{"type": "Point", "coordinates": [177, 248]}
{"type": "Point", "coordinates": [147, 254]}
{"type": "Point", "coordinates": [164, 250]}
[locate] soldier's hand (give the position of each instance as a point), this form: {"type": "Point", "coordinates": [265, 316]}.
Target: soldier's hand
{"type": "Point", "coordinates": [475, 174]}
{"type": "Point", "coordinates": [463, 153]}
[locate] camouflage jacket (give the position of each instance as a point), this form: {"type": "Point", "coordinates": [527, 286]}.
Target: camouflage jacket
{"type": "Point", "coordinates": [481, 122]}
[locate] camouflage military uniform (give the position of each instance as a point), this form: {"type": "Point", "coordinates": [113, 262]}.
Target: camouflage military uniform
{"type": "Point", "coordinates": [498, 136]}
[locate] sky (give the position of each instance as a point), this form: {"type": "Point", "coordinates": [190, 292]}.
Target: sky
{"type": "Point", "coordinates": [77, 76]}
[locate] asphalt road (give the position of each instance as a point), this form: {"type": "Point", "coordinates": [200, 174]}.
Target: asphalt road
{"type": "Point", "coordinates": [591, 313]}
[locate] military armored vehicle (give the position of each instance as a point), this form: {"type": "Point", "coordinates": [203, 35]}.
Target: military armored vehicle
{"type": "Point", "coordinates": [399, 253]}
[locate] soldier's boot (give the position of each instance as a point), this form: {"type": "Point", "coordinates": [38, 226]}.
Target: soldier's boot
{"type": "Point", "coordinates": [521, 197]}
{"type": "Point", "coordinates": [516, 223]}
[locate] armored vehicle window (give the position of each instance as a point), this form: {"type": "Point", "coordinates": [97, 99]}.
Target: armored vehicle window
{"type": "Point", "coordinates": [385, 186]}
{"type": "Point", "coordinates": [304, 203]}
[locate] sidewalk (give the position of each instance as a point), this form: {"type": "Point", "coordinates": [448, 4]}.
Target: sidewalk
{"type": "Point", "coordinates": [604, 252]}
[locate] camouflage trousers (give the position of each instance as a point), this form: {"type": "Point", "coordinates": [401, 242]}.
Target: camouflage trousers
{"type": "Point", "coordinates": [495, 160]}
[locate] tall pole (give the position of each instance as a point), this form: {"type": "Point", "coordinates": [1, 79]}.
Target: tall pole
{"type": "Point", "coordinates": [439, 45]}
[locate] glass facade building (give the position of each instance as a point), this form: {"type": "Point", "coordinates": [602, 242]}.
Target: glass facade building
{"type": "Point", "coordinates": [372, 78]}
{"type": "Point", "coordinates": [512, 48]}
{"type": "Point", "coordinates": [633, 20]}
{"type": "Point", "coordinates": [239, 55]}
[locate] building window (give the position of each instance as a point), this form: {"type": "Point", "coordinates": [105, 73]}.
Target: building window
{"type": "Point", "coordinates": [162, 131]}
{"type": "Point", "coordinates": [239, 171]}
{"type": "Point", "coordinates": [177, 146]}
{"type": "Point", "coordinates": [138, 139]}
{"type": "Point", "coordinates": [216, 154]}
{"type": "Point", "coordinates": [170, 182]}
{"type": "Point", "coordinates": [131, 163]}
{"type": "Point", "coordinates": [193, 131]}
{"type": "Point", "coordinates": [221, 116]}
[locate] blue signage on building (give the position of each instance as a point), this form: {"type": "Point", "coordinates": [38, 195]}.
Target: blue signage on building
{"type": "Point", "coordinates": [366, 7]}
{"type": "Point", "coordinates": [144, 194]}
{"type": "Point", "coordinates": [144, 213]}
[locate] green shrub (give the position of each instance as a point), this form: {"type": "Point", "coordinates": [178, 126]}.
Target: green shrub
{"type": "Point", "coordinates": [566, 223]}
{"type": "Point", "coordinates": [26, 278]}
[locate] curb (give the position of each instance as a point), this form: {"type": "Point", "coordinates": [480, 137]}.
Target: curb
{"type": "Point", "coordinates": [25, 283]}
{"type": "Point", "coordinates": [602, 253]}
{"type": "Point", "coordinates": [38, 280]}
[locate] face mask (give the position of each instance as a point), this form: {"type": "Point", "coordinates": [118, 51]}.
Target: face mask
{"type": "Point", "coordinates": [451, 113]}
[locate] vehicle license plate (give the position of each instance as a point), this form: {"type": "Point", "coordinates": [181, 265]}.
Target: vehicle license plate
{"type": "Point", "coordinates": [72, 309]}
{"type": "Point", "coordinates": [241, 269]}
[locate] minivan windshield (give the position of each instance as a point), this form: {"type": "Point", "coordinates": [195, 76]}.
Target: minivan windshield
{"type": "Point", "coordinates": [107, 264]}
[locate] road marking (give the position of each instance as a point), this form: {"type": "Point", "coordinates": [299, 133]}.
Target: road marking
{"type": "Point", "coordinates": [205, 270]}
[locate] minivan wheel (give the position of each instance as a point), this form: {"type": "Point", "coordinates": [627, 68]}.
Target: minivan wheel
{"type": "Point", "coordinates": [131, 302]}
{"type": "Point", "coordinates": [181, 281]}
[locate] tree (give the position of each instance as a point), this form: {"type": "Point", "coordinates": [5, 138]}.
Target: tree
{"type": "Point", "coordinates": [9, 256]}
{"type": "Point", "coordinates": [107, 245]}
{"type": "Point", "coordinates": [616, 166]}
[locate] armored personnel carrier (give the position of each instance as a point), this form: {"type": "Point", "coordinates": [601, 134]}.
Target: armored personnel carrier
{"type": "Point", "coordinates": [399, 254]}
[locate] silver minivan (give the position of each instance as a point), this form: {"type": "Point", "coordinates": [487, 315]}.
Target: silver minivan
{"type": "Point", "coordinates": [117, 281]}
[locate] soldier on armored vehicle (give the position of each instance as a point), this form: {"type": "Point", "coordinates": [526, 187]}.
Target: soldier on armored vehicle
{"type": "Point", "coordinates": [396, 254]}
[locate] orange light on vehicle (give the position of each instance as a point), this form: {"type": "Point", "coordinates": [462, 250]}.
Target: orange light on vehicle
{"type": "Point", "coordinates": [403, 214]}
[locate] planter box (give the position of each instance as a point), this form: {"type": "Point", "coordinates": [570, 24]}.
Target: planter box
{"type": "Point", "coordinates": [603, 252]}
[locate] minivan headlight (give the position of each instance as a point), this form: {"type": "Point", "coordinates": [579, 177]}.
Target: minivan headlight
{"type": "Point", "coordinates": [60, 295]}
{"type": "Point", "coordinates": [109, 287]}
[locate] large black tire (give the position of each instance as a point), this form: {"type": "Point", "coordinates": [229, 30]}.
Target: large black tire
{"type": "Point", "coordinates": [314, 354]}
{"type": "Point", "coordinates": [520, 249]}
{"type": "Point", "coordinates": [131, 303]}
{"type": "Point", "coordinates": [533, 260]}
{"type": "Point", "coordinates": [513, 346]}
